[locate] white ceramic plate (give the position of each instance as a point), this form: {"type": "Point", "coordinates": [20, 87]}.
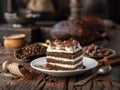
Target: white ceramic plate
{"type": "Point", "coordinates": [89, 63]}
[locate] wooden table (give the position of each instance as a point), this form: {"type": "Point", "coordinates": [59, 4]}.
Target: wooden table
{"type": "Point", "coordinates": [110, 81]}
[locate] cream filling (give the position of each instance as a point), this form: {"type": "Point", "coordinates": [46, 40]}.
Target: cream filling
{"type": "Point", "coordinates": [66, 65]}
{"type": "Point", "coordinates": [63, 51]}
{"type": "Point", "coordinates": [65, 59]}
{"type": "Point", "coordinates": [71, 49]}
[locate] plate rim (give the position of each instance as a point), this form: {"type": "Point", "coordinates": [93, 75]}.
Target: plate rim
{"type": "Point", "coordinates": [62, 71]}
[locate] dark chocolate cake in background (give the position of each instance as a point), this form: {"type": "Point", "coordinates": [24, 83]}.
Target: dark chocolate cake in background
{"type": "Point", "coordinates": [85, 30]}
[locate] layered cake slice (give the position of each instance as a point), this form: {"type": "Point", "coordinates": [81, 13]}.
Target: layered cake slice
{"type": "Point", "coordinates": [64, 55]}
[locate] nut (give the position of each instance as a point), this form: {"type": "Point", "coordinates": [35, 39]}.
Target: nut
{"type": "Point", "coordinates": [96, 51]}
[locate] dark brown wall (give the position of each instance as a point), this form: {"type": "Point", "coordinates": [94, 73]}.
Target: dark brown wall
{"type": "Point", "coordinates": [2, 10]}
{"type": "Point", "coordinates": [114, 10]}
{"type": "Point", "coordinates": [95, 8]}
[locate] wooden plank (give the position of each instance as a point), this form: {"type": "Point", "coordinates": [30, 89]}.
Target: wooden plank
{"type": "Point", "coordinates": [115, 85]}
{"type": "Point", "coordinates": [100, 85]}
{"type": "Point", "coordinates": [107, 85]}
{"type": "Point", "coordinates": [54, 83]}
{"type": "Point", "coordinates": [87, 86]}
{"type": "Point", "coordinates": [71, 82]}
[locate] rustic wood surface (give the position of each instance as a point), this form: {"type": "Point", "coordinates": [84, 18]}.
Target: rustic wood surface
{"type": "Point", "coordinates": [45, 82]}
{"type": "Point", "coordinates": [41, 81]}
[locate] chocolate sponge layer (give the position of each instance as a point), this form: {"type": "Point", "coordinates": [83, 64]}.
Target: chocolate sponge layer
{"type": "Point", "coordinates": [65, 55]}
{"type": "Point", "coordinates": [54, 67]}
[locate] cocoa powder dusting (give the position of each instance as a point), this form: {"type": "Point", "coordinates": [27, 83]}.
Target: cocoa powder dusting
{"type": "Point", "coordinates": [25, 72]}
{"type": "Point", "coordinates": [29, 74]}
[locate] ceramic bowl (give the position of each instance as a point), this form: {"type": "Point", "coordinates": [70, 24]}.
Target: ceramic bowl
{"type": "Point", "coordinates": [14, 41]}
{"type": "Point", "coordinates": [24, 17]}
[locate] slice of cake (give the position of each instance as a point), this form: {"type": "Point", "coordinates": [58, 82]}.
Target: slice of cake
{"type": "Point", "coordinates": [64, 55]}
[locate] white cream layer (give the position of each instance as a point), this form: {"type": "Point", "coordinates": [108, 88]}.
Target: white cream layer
{"type": "Point", "coordinates": [64, 59]}
{"type": "Point", "coordinates": [66, 65]}
{"type": "Point", "coordinates": [71, 49]}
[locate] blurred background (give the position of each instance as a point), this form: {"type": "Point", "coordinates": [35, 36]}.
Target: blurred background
{"type": "Point", "coordinates": [61, 8]}
{"type": "Point", "coordinates": [87, 21]}
{"type": "Point", "coordinates": [37, 18]}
